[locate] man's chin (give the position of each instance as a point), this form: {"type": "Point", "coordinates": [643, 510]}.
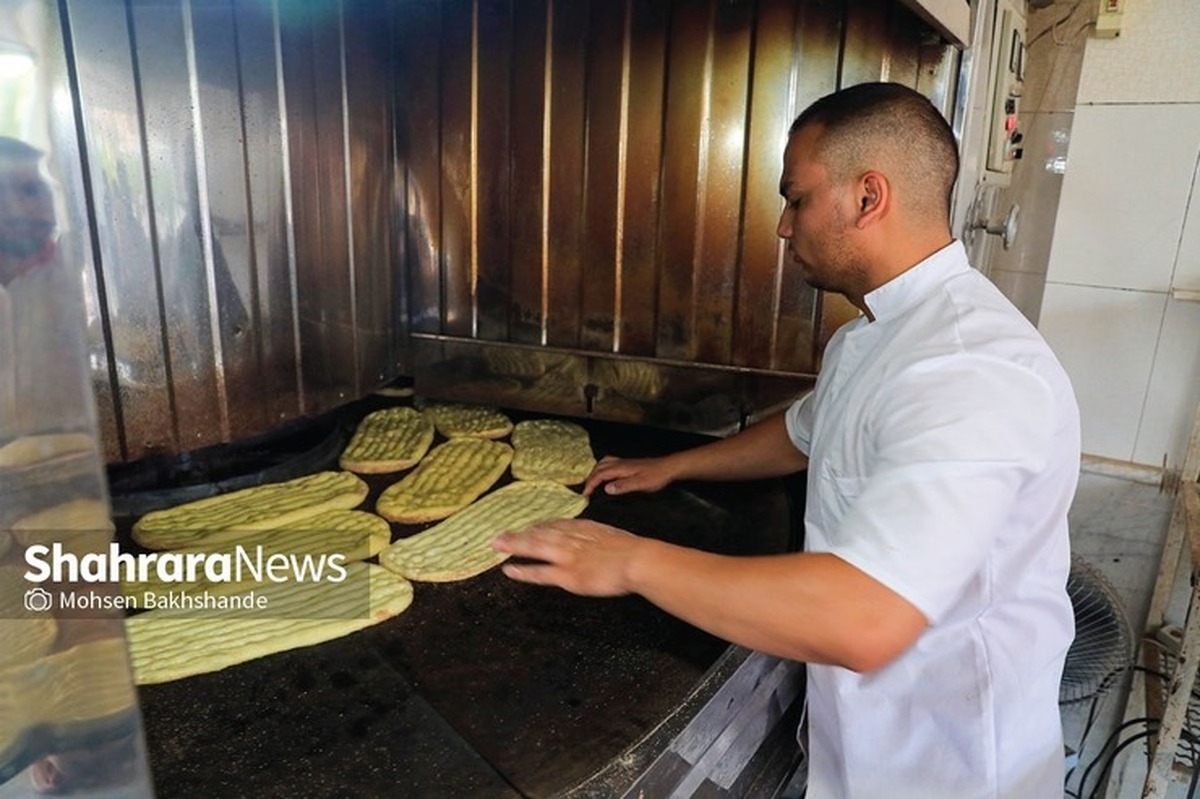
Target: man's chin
{"type": "Point", "coordinates": [812, 280]}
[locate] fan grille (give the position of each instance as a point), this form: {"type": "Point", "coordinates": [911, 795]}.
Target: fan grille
{"type": "Point", "coordinates": [1103, 645]}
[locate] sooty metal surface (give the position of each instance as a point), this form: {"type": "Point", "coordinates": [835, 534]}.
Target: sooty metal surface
{"type": "Point", "coordinates": [484, 687]}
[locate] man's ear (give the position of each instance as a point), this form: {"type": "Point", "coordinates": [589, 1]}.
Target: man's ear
{"type": "Point", "coordinates": [874, 198]}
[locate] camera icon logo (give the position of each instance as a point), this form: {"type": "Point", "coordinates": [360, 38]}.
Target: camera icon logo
{"type": "Point", "coordinates": [38, 599]}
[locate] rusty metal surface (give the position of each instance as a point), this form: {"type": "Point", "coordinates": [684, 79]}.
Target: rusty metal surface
{"type": "Point", "coordinates": [283, 191]}
{"type": "Point", "coordinates": [677, 395]}
{"type": "Point", "coordinates": [240, 158]}
{"type": "Point", "coordinates": [608, 171]}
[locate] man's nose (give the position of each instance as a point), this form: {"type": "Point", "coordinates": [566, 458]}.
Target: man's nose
{"type": "Point", "coordinates": [784, 229]}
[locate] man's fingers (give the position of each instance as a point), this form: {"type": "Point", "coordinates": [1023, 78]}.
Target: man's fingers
{"type": "Point", "coordinates": [580, 555]}
{"type": "Point", "coordinates": [604, 470]}
{"type": "Point", "coordinates": [542, 542]}
{"type": "Point", "coordinates": [532, 573]}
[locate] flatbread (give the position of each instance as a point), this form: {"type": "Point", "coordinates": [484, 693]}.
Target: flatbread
{"type": "Point", "coordinates": [461, 546]}
{"type": "Point", "coordinates": [388, 441]}
{"type": "Point", "coordinates": [354, 534]}
{"type": "Point", "coordinates": [468, 421]}
{"type": "Point", "coordinates": [551, 449]}
{"type": "Point", "coordinates": [80, 525]}
{"type": "Point", "coordinates": [167, 645]}
{"type": "Point", "coordinates": [451, 477]}
{"type": "Point", "coordinates": [88, 682]}
{"type": "Point", "coordinates": [30, 450]}
{"type": "Point", "coordinates": [230, 517]}
{"type": "Point", "coordinates": [27, 634]}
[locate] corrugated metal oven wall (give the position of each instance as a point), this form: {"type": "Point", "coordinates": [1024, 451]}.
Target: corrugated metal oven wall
{"type": "Point", "coordinates": [599, 179]}
{"type": "Point", "coordinates": [569, 204]}
{"type": "Point", "coordinates": [238, 161]}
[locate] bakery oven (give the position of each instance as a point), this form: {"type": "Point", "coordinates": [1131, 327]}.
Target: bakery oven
{"type": "Point", "coordinates": [276, 209]}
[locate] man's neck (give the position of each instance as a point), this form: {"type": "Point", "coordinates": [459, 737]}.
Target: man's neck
{"type": "Point", "coordinates": [898, 260]}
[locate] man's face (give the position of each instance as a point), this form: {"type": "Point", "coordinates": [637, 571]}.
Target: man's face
{"type": "Point", "coordinates": [26, 209]}
{"type": "Point", "coordinates": [817, 218]}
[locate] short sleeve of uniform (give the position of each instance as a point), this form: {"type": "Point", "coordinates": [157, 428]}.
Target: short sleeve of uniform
{"type": "Point", "coordinates": [951, 449]}
{"type": "Point", "coordinates": [799, 421]}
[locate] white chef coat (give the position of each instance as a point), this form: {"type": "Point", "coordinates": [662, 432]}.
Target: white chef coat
{"type": "Point", "coordinates": [943, 440]}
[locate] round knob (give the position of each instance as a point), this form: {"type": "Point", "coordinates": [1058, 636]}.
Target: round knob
{"type": "Point", "coordinates": [1006, 229]}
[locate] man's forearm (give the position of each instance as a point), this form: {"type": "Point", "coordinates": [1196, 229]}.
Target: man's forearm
{"type": "Point", "coordinates": [810, 607]}
{"type": "Point", "coordinates": [761, 450]}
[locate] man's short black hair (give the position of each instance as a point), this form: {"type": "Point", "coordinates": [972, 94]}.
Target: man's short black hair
{"type": "Point", "coordinates": [872, 124]}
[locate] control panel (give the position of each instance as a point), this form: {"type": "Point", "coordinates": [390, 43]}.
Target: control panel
{"type": "Point", "coordinates": [1005, 136]}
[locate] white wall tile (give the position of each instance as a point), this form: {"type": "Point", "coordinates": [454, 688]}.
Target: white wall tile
{"type": "Point", "coordinates": [1024, 290]}
{"type": "Point", "coordinates": [1155, 59]}
{"type": "Point", "coordinates": [1105, 339]}
{"type": "Point", "coordinates": [1187, 267]}
{"type": "Point", "coordinates": [1129, 172]}
{"type": "Point", "coordinates": [1174, 388]}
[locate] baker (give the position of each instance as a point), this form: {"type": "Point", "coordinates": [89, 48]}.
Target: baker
{"type": "Point", "coordinates": [942, 448]}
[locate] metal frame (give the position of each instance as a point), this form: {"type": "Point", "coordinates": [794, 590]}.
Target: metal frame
{"type": "Point", "coordinates": [1184, 527]}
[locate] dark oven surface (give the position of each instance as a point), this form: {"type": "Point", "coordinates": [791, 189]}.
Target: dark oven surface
{"type": "Point", "coordinates": [484, 687]}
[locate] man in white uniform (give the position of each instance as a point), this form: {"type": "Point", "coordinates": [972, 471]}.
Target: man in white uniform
{"type": "Point", "coordinates": [942, 446]}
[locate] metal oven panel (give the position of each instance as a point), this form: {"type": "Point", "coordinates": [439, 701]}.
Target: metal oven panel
{"type": "Point", "coordinates": [239, 162]}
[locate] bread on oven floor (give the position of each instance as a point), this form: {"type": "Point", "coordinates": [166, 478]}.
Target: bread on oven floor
{"type": "Point", "coordinates": [551, 449]}
{"type": "Point", "coordinates": [171, 644]}
{"type": "Point", "coordinates": [451, 476]}
{"type": "Point", "coordinates": [460, 547]}
{"type": "Point", "coordinates": [389, 440]}
{"type": "Point", "coordinates": [238, 514]}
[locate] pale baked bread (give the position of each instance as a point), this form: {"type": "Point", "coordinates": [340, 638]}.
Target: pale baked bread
{"type": "Point", "coordinates": [468, 421]}
{"type": "Point", "coordinates": [388, 441]}
{"type": "Point", "coordinates": [353, 534]}
{"type": "Point", "coordinates": [461, 546]}
{"type": "Point", "coordinates": [167, 645]}
{"type": "Point", "coordinates": [80, 525]}
{"type": "Point", "coordinates": [27, 634]}
{"type": "Point", "coordinates": [88, 682]}
{"type": "Point", "coordinates": [451, 477]}
{"type": "Point", "coordinates": [551, 449]}
{"type": "Point", "coordinates": [230, 517]}
{"type": "Point", "coordinates": [29, 450]}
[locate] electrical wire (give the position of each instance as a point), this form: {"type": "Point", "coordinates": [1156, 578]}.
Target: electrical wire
{"type": "Point", "coordinates": [1109, 743]}
{"type": "Point", "coordinates": [1095, 794]}
{"type": "Point", "coordinates": [1151, 728]}
{"type": "Point", "coordinates": [1087, 729]}
{"type": "Point", "coordinates": [1053, 27]}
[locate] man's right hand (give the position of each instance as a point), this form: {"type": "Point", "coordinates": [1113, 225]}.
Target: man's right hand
{"type": "Point", "coordinates": [623, 475]}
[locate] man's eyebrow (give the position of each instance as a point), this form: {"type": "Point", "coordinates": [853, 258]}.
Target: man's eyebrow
{"type": "Point", "coordinates": [783, 188]}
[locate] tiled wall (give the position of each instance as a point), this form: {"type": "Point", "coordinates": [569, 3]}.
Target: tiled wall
{"type": "Point", "coordinates": [1120, 254]}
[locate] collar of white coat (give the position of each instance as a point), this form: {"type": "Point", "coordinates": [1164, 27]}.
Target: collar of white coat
{"type": "Point", "coordinates": [917, 282]}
